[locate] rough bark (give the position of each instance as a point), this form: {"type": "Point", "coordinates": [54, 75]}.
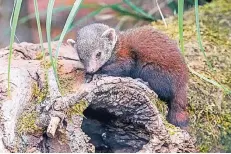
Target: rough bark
{"type": "Point", "coordinates": [120, 114]}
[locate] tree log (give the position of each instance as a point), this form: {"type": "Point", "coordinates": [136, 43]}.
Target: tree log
{"type": "Point", "coordinates": [120, 114]}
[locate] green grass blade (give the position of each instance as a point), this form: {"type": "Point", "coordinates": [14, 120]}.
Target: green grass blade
{"type": "Point", "coordinates": [190, 2]}
{"type": "Point", "coordinates": [92, 14]}
{"type": "Point", "coordinates": [67, 25]}
{"type": "Point", "coordinates": [124, 11]}
{"type": "Point", "coordinates": [39, 26]}
{"type": "Point", "coordinates": [199, 35]}
{"type": "Point", "coordinates": [180, 23]}
{"type": "Point", "coordinates": [56, 10]}
{"type": "Point", "coordinates": [115, 7]}
{"type": "Point", "coordinates": [43, 12]}
{"type": "Point", "coordinates": [32, 16]}
{"type": "Point", "coordinates": [48, 28]}
{"type": "Point", "coordinates": [12, 35]}
{"type": "Point", "coordinates": [228, 91]}
{"type": "Point", "coordinates": [172, 5]}
{"type": "Point", "coordinates": [138, 9]}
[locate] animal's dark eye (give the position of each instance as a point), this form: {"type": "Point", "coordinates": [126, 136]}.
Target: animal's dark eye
{"type": "Point", "coordinates": [98, 55]}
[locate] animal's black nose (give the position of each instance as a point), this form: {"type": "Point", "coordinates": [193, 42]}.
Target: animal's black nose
{"type": "Point", "coordinates": [89, 73]}
{"type": "Point", "coordinates": [88, 77]}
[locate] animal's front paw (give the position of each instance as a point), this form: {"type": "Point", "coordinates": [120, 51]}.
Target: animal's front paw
{"type": "Point", "coordinates": [99, 76]}
{"type": "Point", "coordinates": [179, 119]}
{"type": "Point", "coordinates": [91, 77]}
{"type": "Point", "coordinates": [142, 81]}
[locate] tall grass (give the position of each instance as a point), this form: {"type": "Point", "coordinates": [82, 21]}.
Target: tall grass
{"type": "Point", "coordinates": [180, 23]}
{"type": "Point", "coordinates": [42, 12]}
{"type": "Point", "coordinates": [180, 26]}
{"type": "Point", "coordinates": [48, 29]}
{"type": "Point", "coordinates": [199, 35]}
{"type": "Point", "coordinates": [137, 9]}
{"type": "Point", "coordinates": [213, 82]}
{"type": "Point", "coordinates": [64, 31]}
{"type": "Point", "coordinates": [39, 26]}
{"type": "Point", "coordinates": [226, 90]}
{"type": "Point", "coordinates": [15, 14]}
{"type": "Point", "coordinates": [67, 25]}
{"type": "Point", "coordinates": [92, 14]}
{"type": "Point", "coordinates": [116, 7]}
{"type": "Point", "coordinates": [135, 12]}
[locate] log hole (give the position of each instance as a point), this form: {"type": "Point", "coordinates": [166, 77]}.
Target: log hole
{"type": "Point", "coordinates": [111, 133]}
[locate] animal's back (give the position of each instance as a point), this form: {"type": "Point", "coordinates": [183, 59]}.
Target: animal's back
{"type": "Point", "coordinates": [152, 46]}
{"type": "Point", "coordinates": [158, 61]}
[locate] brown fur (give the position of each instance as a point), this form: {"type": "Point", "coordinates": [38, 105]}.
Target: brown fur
{"type": "Point", "coordinates": [156, 49]}
{"type": "Point", "coordinates": [138, 53]}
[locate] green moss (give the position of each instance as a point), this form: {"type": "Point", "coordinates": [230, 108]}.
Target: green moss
{"type": "Point", "coordinates": [39, 94]}
{"type": "Point", "coordinates": [209, 106]}
{"type": "Point", "coordinates": [65, 83]}
{"type": "Point", "coordinates": [170, 128]}
{"type": "Point", "coordinates": [26, 123]}
{"type": "Point", "coordinates": [163, 109]}
{"type": "Point", "coordinates": [39, 56]}
{"type": "Point", "coordinates": [77, 109]}
{"type": "Point", "coordinates": [161, 106]}
{"type": "Point", "coordinates": [46, 64]}
{"type": "Point", "coordinates": [39, 89]}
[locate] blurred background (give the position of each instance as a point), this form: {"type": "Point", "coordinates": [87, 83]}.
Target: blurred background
{"type": "Point", "coordinates": [116, 13]}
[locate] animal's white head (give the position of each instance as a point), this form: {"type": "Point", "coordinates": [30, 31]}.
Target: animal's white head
{"type": "Point", "coordinates": [94, 45]}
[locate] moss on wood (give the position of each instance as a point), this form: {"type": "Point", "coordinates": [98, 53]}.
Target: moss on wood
{"type": "Point", "coordinates": [26, 124]}
{"type": "Point", "coordinates": [210, 107]}
{"type": "Point", "coordinates": [26, 121]}
{"type": "Point", "coordinates": [77, 109]}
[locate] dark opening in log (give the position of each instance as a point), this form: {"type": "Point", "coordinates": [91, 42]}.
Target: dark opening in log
{"type": "Point", "coordinates": [110, 133]}
{"type": "Point", "coordinates": [119, 116]}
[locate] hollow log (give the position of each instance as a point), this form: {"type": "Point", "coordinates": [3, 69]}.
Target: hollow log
{"type": "Point", "coordinates": [118, 114]}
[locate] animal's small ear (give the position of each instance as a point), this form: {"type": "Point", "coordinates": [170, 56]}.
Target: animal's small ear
{"type": "Point", "coordinates": [110, 34]}
{"type": "Point", "coordinates": [71, 42]}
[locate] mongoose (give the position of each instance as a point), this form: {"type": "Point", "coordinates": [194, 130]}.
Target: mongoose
{"type": "Point", "coordinates": [143, 53]}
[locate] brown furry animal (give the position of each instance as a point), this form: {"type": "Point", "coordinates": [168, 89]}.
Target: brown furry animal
{"type": "Point", "coordinates": [138, 53]}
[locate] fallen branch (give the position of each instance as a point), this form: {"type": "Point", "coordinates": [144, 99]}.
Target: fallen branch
{"type": "Point", "coordinates": [124, 106]}
{"type": "Point", "coordinates": [118, 114]}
